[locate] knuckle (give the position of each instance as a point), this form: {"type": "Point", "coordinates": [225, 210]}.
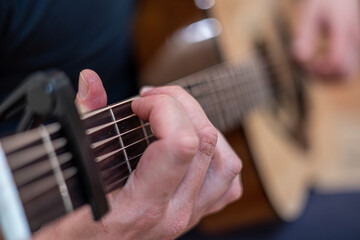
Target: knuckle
{"type": "Point", "coordinates": [236, 166]}
{"type": "Point", "coordinates": [235, 193]}
{"type": "Point", "coordinates": [208, 140]}
{"type": "Point", "coordinates": [187, 145]}
{"type": "Point", "coordinates": [230, 166]}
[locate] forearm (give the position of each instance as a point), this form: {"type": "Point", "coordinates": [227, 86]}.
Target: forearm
{"type": "Point", "coordinates": [78, 225]}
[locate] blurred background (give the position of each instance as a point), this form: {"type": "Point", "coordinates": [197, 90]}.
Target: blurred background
{"type": "Point", "coordinates": [300, 153]}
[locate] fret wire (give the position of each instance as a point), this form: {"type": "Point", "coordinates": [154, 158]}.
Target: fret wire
{"type": "Point", "coordinates": [46, 183]}
{"type": "Point", "coordinates": [237, 92]}
{"type": "Point", "coordinates": [210, 85]}
{"type": "Point", "coordinates": [98, 128]}
{"type": "Point", "coordinates": [232, 112]}
{"type": "Point", "coordinates": [103, 157]}
{"type": "Point", "coordinates": [17, 142]}
{"type": "Point", "coordinates": [121, 141]}
{"type": "Point", "coordinates": [99, 143]}
{"type": "Point", "coordinates": [54, 161]}
{"type": "Point", "coordinates": [114, 173]}
{"type": "Point", "coordinates": [27, 156]}
{"type": "Point", "coordinates": [119, 164]}
{"type": "Point", "coordinates": [223, 83]}
{"type": "Point", "coordinates": [240, 85]}
{"type": "Point", "coordinates": [216, 101]}
{"type": "Point", "coordinates": [117, 181]}
{"type": "Point", "coordinates": [144, 131]}
{"type": "Point", "coordinates": [232, 103]}
{"type": "Point", "coordinates": [27, 175]}
{"type": "Point", "coordinates": [111, 186]}
{"type": "Point", "coordinates": [215, 89]}
{"type": "Point", "coordinates": [213, 79]}
{"type": "Point", "coordinates": [110, 107]}
{"type": "Point", "coordinates": [248, 91]}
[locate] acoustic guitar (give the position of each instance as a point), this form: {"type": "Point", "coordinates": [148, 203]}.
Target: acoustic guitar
{"type": "Point", "coordinates": [268, 104]}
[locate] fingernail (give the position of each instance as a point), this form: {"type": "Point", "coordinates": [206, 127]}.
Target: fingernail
{"type": "Point", "coordinates": [83, 87]}
{"type": "Point", "coordinates": [145, 89]}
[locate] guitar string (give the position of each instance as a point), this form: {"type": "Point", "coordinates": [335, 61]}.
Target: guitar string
{"type": "Point", "coordinates": [67, 175]}
{"type": "Point", "coordinates": [92, 130]}
{"type": "Point", "coordinates": [107, 155]}
{"type": "Point", "coordinates": [25, 188]}
{"type": "Point", "coordinates": [31, 191]}
{"type": "Point", "coordinates": [225, 89]}
{"type": "Point", "coordinates": [106, 140]}
{"type": "Point", "coordinates": [102, 171]}
{"type": "Point", "coordinates": [126, 147]}
{"type": "Point", "coordinates": [229, 99]}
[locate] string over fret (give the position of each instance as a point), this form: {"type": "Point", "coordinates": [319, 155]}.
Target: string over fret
{"type": "Point", "coordinates": [121, 141]}
{"type": "Point", "coordinates": [57, 170]}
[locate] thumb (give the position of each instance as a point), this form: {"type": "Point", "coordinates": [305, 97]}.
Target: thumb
{"type": "Point", "coordinates": [91, 94]}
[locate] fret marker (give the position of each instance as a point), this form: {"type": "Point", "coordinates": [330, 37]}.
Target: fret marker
{"type": "Point", "coordinates": [120, 140]}
{"type": "Point", "coordinates": [54, 161]}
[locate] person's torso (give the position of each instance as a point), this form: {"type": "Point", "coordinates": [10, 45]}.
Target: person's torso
{"type": "Point", "coordinates": [68, 35]}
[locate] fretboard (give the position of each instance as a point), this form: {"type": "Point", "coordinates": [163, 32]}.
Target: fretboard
{"type": "Point", "coordinates": [118, 140]}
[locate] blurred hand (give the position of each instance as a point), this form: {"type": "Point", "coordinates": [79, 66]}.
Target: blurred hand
{"type": "Point", "coordinates": [340, 22]}
{"type": "Point", "coordinates": [189, 172]}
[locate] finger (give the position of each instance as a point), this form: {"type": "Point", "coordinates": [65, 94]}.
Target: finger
{"type": "Point", "coordinates": [303, 46]}
{"type": "Point", "coordinates": [91, 94]}
{"type": "Point", "coordinates": [165, 162]}
{"type": "Point", "coordinates": [232, 194]}
{"type": "Point", "coordinates": [207, 135]}
{"type": "Point", "coordinates": [224, 167]}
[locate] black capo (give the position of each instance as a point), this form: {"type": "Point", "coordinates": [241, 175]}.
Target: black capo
{"type": "Point", "coordinates": [48, 96]}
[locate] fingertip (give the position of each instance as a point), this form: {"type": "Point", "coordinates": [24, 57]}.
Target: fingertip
{"type": "Point", "coordinates": [146, 89]}
{"type": "Point", "coordinates": [91, 94]}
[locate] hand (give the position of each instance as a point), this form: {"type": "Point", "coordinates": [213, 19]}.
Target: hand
{"type": "Point", "coordinates": [340, 22]}
{"type": "Point", "coordinates": [189, 172]}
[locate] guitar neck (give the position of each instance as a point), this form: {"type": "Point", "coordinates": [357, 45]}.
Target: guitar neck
{"type": "Point", "coordinates": [226, 93]}
{"type": "Point", "coordinates": [47, 177]}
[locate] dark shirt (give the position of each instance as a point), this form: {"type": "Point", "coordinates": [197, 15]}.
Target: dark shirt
{"type": "Point", "coordinates": [68, 35]}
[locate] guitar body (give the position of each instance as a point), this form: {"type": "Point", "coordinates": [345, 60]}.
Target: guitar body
{"type": "Point", "coordinates": [272, 142]}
